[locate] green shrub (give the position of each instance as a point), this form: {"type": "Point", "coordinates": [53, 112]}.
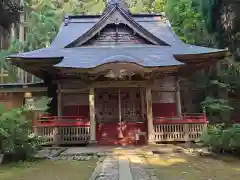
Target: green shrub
{"type": "Point", "coordinates": [222, 138]}
{"type": "Point", "coordinates": [14, 137]}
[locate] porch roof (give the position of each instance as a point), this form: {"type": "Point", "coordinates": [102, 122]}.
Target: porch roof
{"type": "Point", "coordinates": [90, 57]}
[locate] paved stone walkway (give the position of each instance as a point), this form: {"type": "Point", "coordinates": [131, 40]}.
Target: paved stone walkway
{"type": "Point", "coordinates": [123, 166]}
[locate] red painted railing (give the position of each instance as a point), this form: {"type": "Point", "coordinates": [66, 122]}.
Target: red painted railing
{"type": "Point", "coordinates": [50, 121]}
{"type": "Point", "coordinates": [61, 121]}
{"type": "Point", "coordinates": [184, 119]}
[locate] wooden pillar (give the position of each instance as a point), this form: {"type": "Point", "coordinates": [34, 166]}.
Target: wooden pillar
{"type": "Point", "coordinates": [120, 133]}
{"type": "Point", "coordinates": [186, 129]}
{"type": "Point", "coordinates": [149, 116]}
{"type": "Point", "coordinates": [59, 114]}
{"type": "Point", "coordinates": [59, 100]}
{"type": "Point", "coordinates": [178, 99]}
{"type": "Point", "coordinates": [92, 116]}
{"type": "Point", "coordinates": [142, 104]}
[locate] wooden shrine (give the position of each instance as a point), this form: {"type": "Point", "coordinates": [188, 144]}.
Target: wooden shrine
{"type": "Point", "coordinates": [114, 79]}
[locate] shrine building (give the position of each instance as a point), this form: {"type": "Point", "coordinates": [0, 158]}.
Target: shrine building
{"type": "Point", "coordinates": [114, 79]}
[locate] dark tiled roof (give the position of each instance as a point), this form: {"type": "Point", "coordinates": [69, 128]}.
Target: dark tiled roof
{"type": "Point", "coordinates": [92, 56]}
{"type": "Point", "coordinates": [78, 25]}
{"type": "Point", "coordinates": [161, 29]}
{"type": "Point", "coordinates": [154, 26]}
{"type": "Point", "coordinates": [71, 32]}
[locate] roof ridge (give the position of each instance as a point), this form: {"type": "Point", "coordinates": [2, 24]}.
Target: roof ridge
{"type": "Point", "coordinates": [99, 15]}
{"type": "Point", "coordinates": [116, 3]}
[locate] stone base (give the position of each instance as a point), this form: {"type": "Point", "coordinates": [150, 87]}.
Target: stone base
{"type": "Point", "coordinates": [151, 142]}
{"type": "Point", "coordinates": [1, 158]}
{"type": "Point", "coordinates": [92, 143]}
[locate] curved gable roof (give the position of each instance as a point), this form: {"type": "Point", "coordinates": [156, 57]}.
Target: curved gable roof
{"type": "Point", "coordinates": [156, 24]}
{"type": "Point", "coordinates": [116, 15]}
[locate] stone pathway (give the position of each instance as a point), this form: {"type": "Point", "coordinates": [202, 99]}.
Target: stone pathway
{"type": "Point", "coordinates": [123, 166]}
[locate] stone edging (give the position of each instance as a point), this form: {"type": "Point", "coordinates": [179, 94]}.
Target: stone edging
{"type": "Point", "coordinates": [97, 169]}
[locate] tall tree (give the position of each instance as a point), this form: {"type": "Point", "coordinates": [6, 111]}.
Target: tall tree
{"type": "Point", "coordinates": [188, 22]}
{"type": "Point", "coordinates": [9, 12]}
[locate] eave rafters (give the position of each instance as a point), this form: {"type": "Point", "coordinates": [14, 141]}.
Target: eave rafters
{"type": "Point", "coordinates": [39, 67]}
{"type": "Point", "coordinates": [202, 58]}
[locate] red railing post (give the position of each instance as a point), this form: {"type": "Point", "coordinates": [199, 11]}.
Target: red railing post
{"type": "Point", "coordinates": [35, 126]}
{"type": "Point", "coordinates": [183, 116]}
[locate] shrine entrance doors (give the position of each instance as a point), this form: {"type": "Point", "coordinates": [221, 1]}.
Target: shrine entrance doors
{"type": "Point", "coordinates": [120, 113]}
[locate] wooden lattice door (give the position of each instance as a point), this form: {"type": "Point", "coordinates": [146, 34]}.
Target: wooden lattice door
{"type": "Point", "coordinates": [130, 105]}
{"type": "Point", "coordinates": [115, 109]}
{"type": "Point", "coordinates": [107, 105]}
{"type": "Point", "coordinates": [107, 115]}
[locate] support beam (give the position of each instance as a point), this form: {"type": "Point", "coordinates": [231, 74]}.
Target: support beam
{"type": "Point", "coordinates": [59, 113]}
{"type": "Point", "coordinates": [149, 116]}
{"type": "Point", "coordinates": [178, 99]}
{"type": "Point", "coordinates": [120, 133]}
{"type": "Point", "coordinates": [59, 101]}
{"type": "Point", "coordinates": [92, 116]}
{"type": "Point", "coordinates": [142, 104]}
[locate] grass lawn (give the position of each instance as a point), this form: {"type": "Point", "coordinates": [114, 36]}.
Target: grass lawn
{"type": "Point", "coordinates": [183, 167]}
{"type": "Point", "coordinates": [48, 170]}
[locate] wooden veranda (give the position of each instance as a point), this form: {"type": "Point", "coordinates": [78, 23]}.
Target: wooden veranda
{"type": "Point", "coordinates": [74, 130]}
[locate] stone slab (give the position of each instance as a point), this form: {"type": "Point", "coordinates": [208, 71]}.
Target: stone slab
{"type": "Point", "coordinates": [124, 169]}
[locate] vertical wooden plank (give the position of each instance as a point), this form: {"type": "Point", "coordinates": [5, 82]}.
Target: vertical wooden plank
{"type": "Point", "coordinates": [59, 100]}
{"type": "Point", "coordinates": [178, 98]}
{"type": "Point", "coordinates": [142, 103]}
{"type": "Point", "coordinates": [120, 134]}
{"type": "Point", "coordinates": [149, 115]}
{"type": "Point", "coordinates": [186, 132]}
{"type": "Point", "coordinates": [59, 113]}
{"type": "Point", "coordinates": [92, 116]}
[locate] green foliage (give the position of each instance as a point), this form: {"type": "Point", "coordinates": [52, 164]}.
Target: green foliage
{"type": "Point", "coordinates": [188, 22]}
{"type": "Point", "coordinates": [14, 130]}
{"type": "Point", "coordinates": [216, 105]}
{"type": "Point", "coordinates": [200, 22]}
{"type": "Point", "coordinates": [207, 8]}
{"type": "Point", "coordinates": [14, 137]}
{"type": "Point", "coordinates": [222, 138]}
{"type": "Point", "coordinates": [147, 6]}
{"type": "Point", "coordinates": [12, 126]}
{"type": "Point", "coordinates": [44, 21]}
